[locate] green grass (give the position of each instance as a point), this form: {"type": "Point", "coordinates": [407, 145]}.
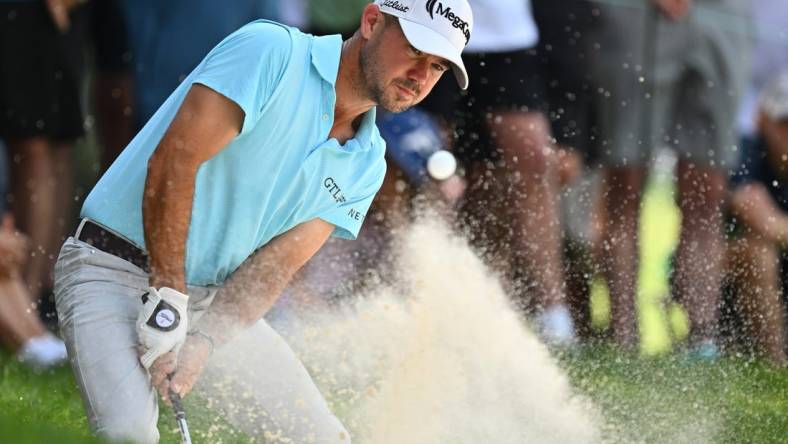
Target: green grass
{"type": "Point", "coordinates": [642, 399]}
{"type": "Point", "coordinates": [669, 399]}
{"type": "Point", "coordinates": [46, 408]}
{"type": "Point", "coordinates": [39, 407]}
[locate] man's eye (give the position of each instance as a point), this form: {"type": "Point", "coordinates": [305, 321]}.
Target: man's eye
{"type": "Point", "coordinates": [415, 51]}
{"type": "Point", "coordinates": [439, 67]}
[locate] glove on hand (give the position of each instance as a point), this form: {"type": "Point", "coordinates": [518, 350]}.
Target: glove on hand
{"type": "Point", "coordinates": [161, 324]}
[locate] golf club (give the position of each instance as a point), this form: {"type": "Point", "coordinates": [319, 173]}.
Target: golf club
{"type": "Point", "coordinates": [180, 417]}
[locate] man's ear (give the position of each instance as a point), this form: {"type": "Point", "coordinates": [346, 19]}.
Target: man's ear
{"type": "Point", "coordinates": [372, 20]}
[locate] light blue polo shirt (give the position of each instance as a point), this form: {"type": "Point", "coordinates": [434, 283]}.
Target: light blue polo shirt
{"type": "Point", "coordinates": [280, 171]}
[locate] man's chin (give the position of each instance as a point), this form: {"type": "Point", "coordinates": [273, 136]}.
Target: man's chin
{"type": "Point", "coordinates": [396, 106]}
{"type": "Point", "coordinates": [397, 110]}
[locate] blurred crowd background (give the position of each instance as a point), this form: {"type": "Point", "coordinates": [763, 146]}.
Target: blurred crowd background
{"type": "Point", "coordinates": [580, 115]}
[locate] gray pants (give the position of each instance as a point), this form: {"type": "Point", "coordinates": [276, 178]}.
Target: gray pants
{"type": "Point", "coordinates": [98, 299]}
{"type": "Point", "coordinates": [697, 68]}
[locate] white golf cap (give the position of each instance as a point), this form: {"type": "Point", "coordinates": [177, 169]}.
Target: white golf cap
{"type": "Point", "coordinates": [438, 27]}
{"type": "Point", "coordinates": [774, 98]}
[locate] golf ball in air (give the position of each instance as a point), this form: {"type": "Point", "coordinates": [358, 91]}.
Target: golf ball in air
{"type": "Point", "coordinates": [441, 165]}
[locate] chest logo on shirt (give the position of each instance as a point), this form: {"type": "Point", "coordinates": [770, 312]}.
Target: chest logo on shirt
{"type": "Point", "coordinates": [336, 192]}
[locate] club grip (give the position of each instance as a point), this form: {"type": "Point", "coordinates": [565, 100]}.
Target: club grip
{"type": "Point", "coordinates": [177, 405]}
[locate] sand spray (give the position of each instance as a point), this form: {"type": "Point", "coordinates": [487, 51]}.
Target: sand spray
{"type": "Point", "coordinates": [440, 357]}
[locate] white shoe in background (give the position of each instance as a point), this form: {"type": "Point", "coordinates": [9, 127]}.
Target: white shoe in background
{"type": "Point", "coordinates": [556, 326]}
{"type": "Point", "coordinates": [43, 352]}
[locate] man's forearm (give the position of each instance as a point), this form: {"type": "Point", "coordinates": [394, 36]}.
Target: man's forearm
{"type": "Point", "coordinates": [204, 124]}
{"type": "Point", "coordinates": [166, 212]}
{"type": "Point", "coordinates": [254, 287]}
{"type": "Point", "coordinates": [247, 295]}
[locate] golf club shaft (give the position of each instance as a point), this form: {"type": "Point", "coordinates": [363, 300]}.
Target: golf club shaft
{"type": "Point", "coordinates": [180, 417]}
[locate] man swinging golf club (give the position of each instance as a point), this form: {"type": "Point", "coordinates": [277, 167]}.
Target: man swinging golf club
{"type": "Point", "coordinates": [264, 151]}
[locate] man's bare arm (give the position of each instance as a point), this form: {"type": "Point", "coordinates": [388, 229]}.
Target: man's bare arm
{"type": "Point", "coordinates": [251, 291]}
{"type": "Point", "coordinates": [243, 300]}
{"type": "Point", "coordinates": [204, 124]}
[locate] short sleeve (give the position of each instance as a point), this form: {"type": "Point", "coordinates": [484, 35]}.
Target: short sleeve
{"type": "Point", "coordinates": [247, 66]}
{"type": "Point", "coordinates": [348, 216]}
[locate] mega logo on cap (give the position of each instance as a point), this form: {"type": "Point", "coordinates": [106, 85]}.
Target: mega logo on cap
{"type": "Point", "coordinates": [448, 14]}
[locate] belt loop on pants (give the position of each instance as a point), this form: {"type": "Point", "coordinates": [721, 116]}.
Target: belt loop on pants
{"type": "Point", "coordinates": [105, 240]}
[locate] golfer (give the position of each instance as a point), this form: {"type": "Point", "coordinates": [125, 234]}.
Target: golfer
{"type": "Point", "coordinates": [264, 151]}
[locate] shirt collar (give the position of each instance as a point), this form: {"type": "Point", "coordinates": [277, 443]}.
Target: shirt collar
{"type": "Point", "coordinates": [326, 52]}
{"type": "Point", "coordinates": [364, 134]}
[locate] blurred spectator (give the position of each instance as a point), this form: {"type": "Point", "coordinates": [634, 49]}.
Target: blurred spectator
{"type": "Point", "coordinates": [502, 135]}
{"type": "Point", "coordinates": [581, 220]}
{"type": "Point", "coordinates": [670, 74]}
{"type": "Point", "coordinates": [758, 258]}
{"type": "Point", "coordinates": [168, 39]}
{"type": "Point", "coordinates": [769, 56]}
{"type": "Point", "coordinates": [113, 84]}
{"type": "Point", "coordinates": [20, 328]}
{"type": "Point", "coordinates": [41, 48]}
{"type": "Point", "coordinates": [562, 55]}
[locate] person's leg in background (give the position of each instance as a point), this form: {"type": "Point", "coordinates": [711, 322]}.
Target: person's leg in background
{"type": "Point", "coordinates": [40, 95]}
{"type": "Point", "coordinates": [522, 187]}
{"type": "Point", "coordinates": [33, 189]}
{"type": "Point", "coordinates": [705, 94]}
{"type": "Point", "coordinates": [624, 147]}
{"type": "Point", "coordinates": [20, 328]}
{"type": "Point", "coordinates": [582, 218]}
{"type": "Point", "coordinates": [754, 269]}
{"type": "Point", "coordinates": [699, 258]}
{"type": "Point", "coordinates": [530, 181]}
{"type": "Point", "coordinates": [563, 55]}
{"type": "Point", "coordinates": [623, 189]}
{"type": "Point", "coordinates": [526, 170]}
{"type": "Point", "coordinates": [42, 189]}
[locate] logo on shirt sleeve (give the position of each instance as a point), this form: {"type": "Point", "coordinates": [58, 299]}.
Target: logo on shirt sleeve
{"type": "Point", "coordinates": [330, 185]}
{"type": "Point", "coordinates": [336, 192]}
{"type": "Point", "coordinates": [355, 214]}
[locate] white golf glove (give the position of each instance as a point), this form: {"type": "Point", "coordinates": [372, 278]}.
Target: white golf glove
{"type": "Point", "coordinates": [161, 324]}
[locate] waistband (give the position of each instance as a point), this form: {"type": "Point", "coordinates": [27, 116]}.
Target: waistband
{"type": "Point", "coordinates": [105, 240]}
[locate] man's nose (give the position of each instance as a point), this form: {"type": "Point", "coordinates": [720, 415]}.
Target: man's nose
{"type": "Point", "coordinates": [420, 72]}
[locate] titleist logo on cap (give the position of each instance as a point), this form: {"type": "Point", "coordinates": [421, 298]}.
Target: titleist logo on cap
{"type": "Point", "coordinates": [449, 15]}
{"type": "Point", "coordinates": [393, 4]}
